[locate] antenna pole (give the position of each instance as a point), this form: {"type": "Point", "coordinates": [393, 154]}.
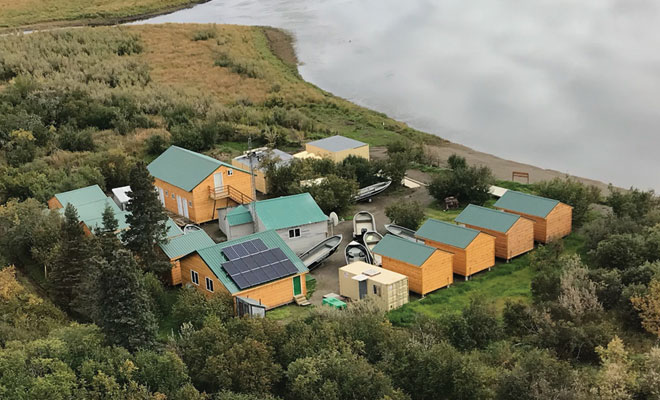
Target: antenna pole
{"type": "Point", "coordinates": [253, 209]}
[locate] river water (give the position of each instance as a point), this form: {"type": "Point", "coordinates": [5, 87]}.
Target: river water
{"type": "Point", "coordinates": [562, 84]}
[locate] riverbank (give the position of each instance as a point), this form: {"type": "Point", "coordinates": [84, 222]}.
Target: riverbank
{"type": "Point", "coordinates": [27, 15]}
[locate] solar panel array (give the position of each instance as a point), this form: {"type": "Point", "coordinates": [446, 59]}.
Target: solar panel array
{"type": "Point", "coordinates": [251, 263]}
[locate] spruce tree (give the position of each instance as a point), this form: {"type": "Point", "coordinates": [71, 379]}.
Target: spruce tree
{"type": "Point", "coordinates": [147, 220]}
{"type": "Point", "coordinates": [71, 263]}
{"type": "Point", "coordinates": [106, 235]}
{"type": "Point", "coordinates": [125, 314]}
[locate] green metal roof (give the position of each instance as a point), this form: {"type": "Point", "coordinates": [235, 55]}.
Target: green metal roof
{"type": "Point", "coordinates": [81, 196]}
{"type": "Point", "coordinates": [487, 218]}
{"type": "Point", "coordinates": [403, 250]}
{"type": "Point", "coordinates": [172, 228]}
{"type": "Point", "coordinates": [182, 245]}
{"type": "Point", "coordinates": [526, 203]}
{"type": "Point", "coordinates": [444, 232]}
{"type": "Point", "coordinates": [91, 214]}
{"type": "Point", "coordinates": [239, 216]}
{"type": "Point", "coordinates": [184, 168]}
{"type": "Point", "coordinates": [214, 258]}
{"type": "Point", "coordinates": [288, 211]}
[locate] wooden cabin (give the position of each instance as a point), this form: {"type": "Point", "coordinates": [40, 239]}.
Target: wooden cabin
{"type": "Point", "coordinates": [360, 280]}
{"type": "Point", "coordinates": [251, 276]}
{"type": "Point", "coordinates": [474, 251]}
{"type": "Point", "coordinates": [552, 218]}
{"type": "Point", "coordinates": [258, 156]}
{"type": "Point", "coordinates": [90, 203]}
{"type": "Point", "coordinates": [514, 234]}
{"type": "Point", "coordinates": [335, 148]}
{"type": "Point", "coordinates": [298, 220]}
{"type": "Point", "coordinates": [426, 267]}
{"type": "Point", "coordinates": [180, 245]}
{"type": "Point", "coordinates": [195, 186]}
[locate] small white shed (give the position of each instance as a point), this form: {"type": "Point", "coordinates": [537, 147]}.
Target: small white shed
{"type": "Point", "coordinates": [120, 196]}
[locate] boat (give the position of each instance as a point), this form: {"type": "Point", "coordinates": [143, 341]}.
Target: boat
{"type": "Point", "coordinates": [191, 228]}
{"type": "Point", "coordinates": [370, 240]}
{"type": "Point", "coordinates": [368, 192]}
{"type": "Point", "coordinates": [363, 222]}
{"type": "Point", "coordinates": [313, 257]}
{"type": "Point", "coordinates": [400, 231]}
{"type": "Point", "coordinates": [356, 251]}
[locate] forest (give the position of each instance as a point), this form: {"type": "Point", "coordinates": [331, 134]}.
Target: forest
{"type": "Point", "coordinates": [86, 317]}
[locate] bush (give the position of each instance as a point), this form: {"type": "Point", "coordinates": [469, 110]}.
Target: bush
{"type": "Point", "coordinates": [621, 251]}
{"type": "Point", "coordinates": [469, 184]}
{"type": "Point", "coordinates": [334, 193]}
{"type": "Point", "coordinates": [572, 192]}
{"type": "Point", "coordinates": [72, 139]}
{"type": "Point", "coordinates": [156, 144]}
{"type": "Point", "coordinates": [635, 204]}
{"type": "Point", "coordinates": [205, 34]}
{"type": "Point", "coordinates": [360, 169]}
{"type": "Point", "coordinates": [406, 214]}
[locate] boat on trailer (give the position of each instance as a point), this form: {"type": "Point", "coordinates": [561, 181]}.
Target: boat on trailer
{"type": "Point", "coordinates": [313, 257]}
{"type": "Point", "coordinates": [400, 231]}
{"type": "Point", "coordinates": [368, 192]}
{"type": "Point", "coordinates": [356, 251]}
{"type": "Point", "coordinates": [363, 222]}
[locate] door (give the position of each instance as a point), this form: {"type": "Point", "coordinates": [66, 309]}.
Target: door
{"type": "Point", "coordinates": [217, 180]}
{"type": "Point", "coordinates": [184, 205]}
{"type": "Point", "coordinates": [179, 208]}
{"type": "Point", "coordinates": [297, 288]}
{"type": "Point", "coordinates": [161, 196]}
{"type": "Point", "coordinates": [362, 289]}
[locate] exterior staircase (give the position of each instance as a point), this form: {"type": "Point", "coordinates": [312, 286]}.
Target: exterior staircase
{"type": "Point", "coordinates": [301, 300]}
{"type": "Point", "coordinates": [231, 192]}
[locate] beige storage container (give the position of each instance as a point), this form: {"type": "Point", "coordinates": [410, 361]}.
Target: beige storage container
{"type": "Point", "coordinates": [359, 280]}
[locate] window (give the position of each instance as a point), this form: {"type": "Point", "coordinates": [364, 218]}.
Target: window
{"type": "Point", "coordinates": [377, 290]}
{"type": "Point", "coordinates": [194, 277]}
{"type": "Point", "coordinates": [230, 172]}
{"type": "Point", "coordinates": [172, 195]}
{"type": "Point", "coordinates": [167, 193]}
{"type": "Point", "coordinates": [209, 285]}
{"type": "Point", "coordinates": [190, 204]}
{"type": "Point", "coordinates": [294, 233]}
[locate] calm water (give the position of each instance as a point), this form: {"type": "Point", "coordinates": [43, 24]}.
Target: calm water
{"type": "Point", "coordinates": [563, 84]}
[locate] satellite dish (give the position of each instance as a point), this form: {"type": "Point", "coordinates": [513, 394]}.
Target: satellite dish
{"type": "Point", "coordinates": [334, 219]}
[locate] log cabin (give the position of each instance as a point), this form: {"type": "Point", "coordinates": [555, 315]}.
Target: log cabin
{"type": "Point", "coordinates": [514, 234]}
{"type": "Point", "coordinates": [552, 218]}
{"type": "Point", "coordinates": [260, 271]}
{"type": "Point", "coordinates": [335, 148]}
{"type": "Point", "coordinates": [426, 267]}
{"type": "Point", "coordinates": [297, 219]}
{"type": "Point", "coordinates": [473, 251]}
{"type": "Point", "coordinates": [195, 186]}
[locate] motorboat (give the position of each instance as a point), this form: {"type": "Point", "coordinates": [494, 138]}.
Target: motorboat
{"type": "Point", "coordinates": [313, 257]}
{"type": "Point", "coordinates": [356, 251]}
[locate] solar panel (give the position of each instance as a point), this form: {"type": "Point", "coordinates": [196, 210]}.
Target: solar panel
{"type": "Point", "coordinates": [259, 244]}
{"type": "Point", "coordinates": [230, 253]}
{"type": "Point", "coordinates": [251, 263]}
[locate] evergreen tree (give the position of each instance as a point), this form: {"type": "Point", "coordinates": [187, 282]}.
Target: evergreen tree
{"type": "Point", "coordinates": [71, 263]}
{"type": "Point", "coordinates": [106, 235]}
{"type": "Point", "coordinates": [125, 313]}
{"type": "Point", "coordinates": [147, 220]}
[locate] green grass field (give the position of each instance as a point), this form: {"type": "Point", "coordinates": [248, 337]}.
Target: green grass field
{"type": "Point", "coordinates": [505, 282]}
{"type": "Point", "coordinates": [17, 13]}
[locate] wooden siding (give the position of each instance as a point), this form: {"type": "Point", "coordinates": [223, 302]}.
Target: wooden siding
{"type": "Point", "coordinates": [54, 204]}
{"type": "Point", "coordinates": [175, 273]}
{"type": "Point", "coordinates": [203, 207]}
{"type": "Point", "coordinates": [339, 156]}
{"type": "Point", "coordinates": [560, 222]}
{"type": "Point", "coordinates": [479, 255]}
{"type": "Point", "coordinates": [518, 240]}
{"type": "Point", "coordinates": [272, 294]}
{"type": "Point", "coordinates": [556, 225]}
{"type": "Point", "coordinates": [435, 273]}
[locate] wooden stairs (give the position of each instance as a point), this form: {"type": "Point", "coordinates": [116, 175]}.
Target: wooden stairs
{"type": "Point", "coordinates": [301, 300]}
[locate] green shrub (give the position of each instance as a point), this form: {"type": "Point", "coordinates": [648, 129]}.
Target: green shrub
{"type": "Point", "coordinates": [406, 214]}
{"type": "Point", "coordinates": [572, 192]}
{"type": "Point", "coordinates": [469, 184]}
{"type": "Point", "coordinates": [205, 34]}
{"type": "Point", "coordinates": [72, 139]}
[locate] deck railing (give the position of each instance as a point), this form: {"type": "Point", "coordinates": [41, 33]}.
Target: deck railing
{"type": "Point", "coordinates": [222, 192]}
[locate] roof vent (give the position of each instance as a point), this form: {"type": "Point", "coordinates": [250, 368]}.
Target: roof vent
{"type": "Point", "coordinates": [371, 272]}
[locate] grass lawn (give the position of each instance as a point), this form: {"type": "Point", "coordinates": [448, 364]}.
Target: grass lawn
{"type": "Point", "coordinates": [288, 313]}
{"type": "Point", "coordinates": [166, 324]}
{"type": "Point", "coordinates": [505, 282]}
{"type": "Point", "coordinates": [15, 13]}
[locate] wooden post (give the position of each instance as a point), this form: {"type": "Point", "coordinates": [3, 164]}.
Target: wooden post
{"type": "Point", "coordinates": [518, 174]}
